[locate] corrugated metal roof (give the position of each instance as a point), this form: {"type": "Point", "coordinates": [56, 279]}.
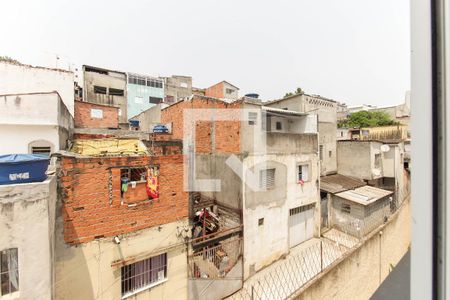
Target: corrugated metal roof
{"type": "Point", "coordinates": [364, 195]}
{"type": "Point", "coordinates": [339, 183]}
{"type": "Point", "coordinates": [109, 147]}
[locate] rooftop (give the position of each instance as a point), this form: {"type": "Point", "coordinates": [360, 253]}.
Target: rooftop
{"type": "Point", "coordinates": [109, 147]}
{"type": "Point", "coordinates": [337, 183]}
{"type": "Point", "coordinates": [364, 195]}
{"type": "Point", "coordinates": [283, 112]}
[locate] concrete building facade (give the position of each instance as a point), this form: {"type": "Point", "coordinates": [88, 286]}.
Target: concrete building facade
{"type": "Point", "coordinates": [326, 110]}
{"type": "Point", "coordinates": [23, 79]}
{"type": "Point", "coordinates": [34, 123]}
{"type": "Point", "coordinates": [108, 87]}
{"type": "Point", "coordinates": [27, 226]}
{"type": "Point", "coordinates": [177, 87]}
{"type": "Point", "coordinates": [282, 215]}
{"type": "Point", "coordinates": [143, 92]}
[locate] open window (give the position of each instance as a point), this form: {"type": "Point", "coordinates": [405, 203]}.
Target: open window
{"type": "Point", "coordinates": [9, 271]}
{"type": "Point", "coordinates": [302, 173]}
{"type": "Point", "coordinates": [133, 184]}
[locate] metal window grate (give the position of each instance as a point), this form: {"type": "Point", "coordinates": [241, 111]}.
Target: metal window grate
{"type": "Point", "coordinates": [143, 273]}
{"type": "Point", "coordinates": [9, 271]}
{"type": "Point", "coordinates": [299, 209]}
{"type": "Point", "coordinates": [41, 150]}
{"type": "Point", "coordinates": [267, 179]}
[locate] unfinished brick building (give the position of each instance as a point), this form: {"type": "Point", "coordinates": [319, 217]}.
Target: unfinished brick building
{"type": "Point", "coordinates": [125, 203]}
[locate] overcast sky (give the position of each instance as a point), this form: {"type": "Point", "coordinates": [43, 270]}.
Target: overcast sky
{"type": "Point", "coordinates": [353, 51]}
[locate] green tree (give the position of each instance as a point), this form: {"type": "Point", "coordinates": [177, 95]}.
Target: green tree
{"type": "Point", "coordinates": [368, 119]}
{"type": "Point", "coordinates": [298, 91]}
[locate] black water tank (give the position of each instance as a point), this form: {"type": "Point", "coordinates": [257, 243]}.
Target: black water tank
{"type": "Point", "coordinates": [252, 95]}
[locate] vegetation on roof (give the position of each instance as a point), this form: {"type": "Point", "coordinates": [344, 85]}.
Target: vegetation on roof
{"type": "Point", "coordinates": [298, 91]}
{"type": "Point", "coordinates": [367, 119]}
{"type": "Point", "coordinates": [9, 60]}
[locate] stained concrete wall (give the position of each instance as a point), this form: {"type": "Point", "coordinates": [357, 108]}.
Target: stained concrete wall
{"type": "Point", "coordinates": [215, 167]}
{"type": "Point", "coordinates": [86, 272]}
{"type": "Point", "coordinates": [267, 243]}
{"type": "Point", "coordinates": [360, 272]}
{"type": "Point", "coordinates": [27, 220]}
{"type": "Point", "coordinates": [32, 117]}
{"type": "Point", "coordinates": [29, 79]}
{"type": "Point", "coordinates": [357, 159]}
{"type": "Point", "coordinates": [327, 123]}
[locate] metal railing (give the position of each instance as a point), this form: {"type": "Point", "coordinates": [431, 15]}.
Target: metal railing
{"type": "Point", "coordinates": [215, 261]}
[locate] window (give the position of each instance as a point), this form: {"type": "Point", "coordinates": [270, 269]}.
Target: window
{"type": "Point", "coordinates": [261, 222]}
{"type": "Point", "coordinates": [252, 117]}
{"type": "Point", "coordinates": [345, 208]}
{"type": "Point", "coordinates": [303, 173]}
{"type": "Point", "coordinates": [9, 271]}
{"type": "Point", "coordinates": [155, 100]}
{"type": "Point", "coordinates": [267, 179]}
{"type": "Point", "coordinates": [321, 152]}
{"type": "Point", "coordinates": [41, 150]}
{"type": "Point", "coordinates": [99, 89]}
{"type": "Point", "coordinates": [342, 133]}
{"type": "Point", "coordinates": [278, 126]}
{"type": "Point", "coordinates": [377, 161]}
{"type": "Point", "coordinates": [96, 113]}
{"type": "Point", "coordinates": [143, 274]}
{"type": "Point", "coordinates": [116, 92]}
{"type": "Point", "coordinates": [229, 91]}
{"type": "Point", "coordinates": [329, 153]}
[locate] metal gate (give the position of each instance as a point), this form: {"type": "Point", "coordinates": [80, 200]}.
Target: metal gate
{"type": "Point", "coordinates": [301, 224]}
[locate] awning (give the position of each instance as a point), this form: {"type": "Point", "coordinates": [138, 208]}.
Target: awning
{"type": "Point", "coordinates": [365, 195]}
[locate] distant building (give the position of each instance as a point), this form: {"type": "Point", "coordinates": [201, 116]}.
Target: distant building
{"type": "Point", "coordinates": [92, 115]}
{"type": "Point", "coordinates": [107, 87]}
{"type": "Point", "coordinates": [223, 90]}
{"type": "Point", "coordinates": [177, 87]}
{"type": "Point", "coordinates": [326, 109]}
{"type": "Point", "coordinates": [35, 123]}
{"type": "Point", "coordinates": [143, 92]}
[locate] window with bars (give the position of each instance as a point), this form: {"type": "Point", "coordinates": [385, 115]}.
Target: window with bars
{"type": "Point", "coordinates": [346, 208]}
{"type": "Point", "coordinates": [116, 92]}
{"type": "Point", "coordinates": [41, 150]}
{"type": "Point", "coordinates": [267, 179]}
{"type": "Point", "coordinates": [9, 271]}
{"type": "Point", "coordinates": [143, 274]}
{"type": "Point", "coordinates": [99, 89]}
{"type": "Point", "coordinates": [279, 126]}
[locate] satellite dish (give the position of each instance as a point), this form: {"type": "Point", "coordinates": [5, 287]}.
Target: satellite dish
{"type": "Point", "coordinates": [384, 148]}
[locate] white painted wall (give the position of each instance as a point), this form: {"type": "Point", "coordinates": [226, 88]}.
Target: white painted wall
{"type": "Point", "coordinates": [27, 79]}
{"type": "Point", "coordinates": [265, 244]}
{"type": "Point", "coordinates": [27, 218]}
{"type": "Point", "coordinates": [85, 271]}
{"type": "Point", "coordinates": [31, 117]}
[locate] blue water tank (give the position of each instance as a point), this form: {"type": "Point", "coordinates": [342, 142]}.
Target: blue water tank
{"type": "Point", "coordinates": [252, 95]}
{"type": "Point", "coordinates": [23, 168]}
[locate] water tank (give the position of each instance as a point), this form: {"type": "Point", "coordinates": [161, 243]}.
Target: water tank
{"type": "Point", "coordinates": [252, 95]}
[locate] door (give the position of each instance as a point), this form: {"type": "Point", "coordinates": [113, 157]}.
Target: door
{"type": "Point", "coordinates": [301, 224]}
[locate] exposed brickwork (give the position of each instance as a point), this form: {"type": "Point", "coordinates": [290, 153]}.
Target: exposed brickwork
{"type": "Point", "coordinates": [86, 190]}
{"type": "Point", "coordinates": [215, 91]}
{"type": "Point", "coordinates": [86, 136]}
{"type": "Point", "coordinates": [220, 137]}
{"type": "Point", "coordinates": [83, 117]}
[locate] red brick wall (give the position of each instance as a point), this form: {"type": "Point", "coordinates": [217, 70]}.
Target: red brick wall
{"type": "Point", "coordinates": [83, 117]}
{"type": "Point", "coordinates": [227, 133]}
{"type": "Point", "coordinates": [215, 91]}
{"type": "Point", "coordinates": [87, 211]}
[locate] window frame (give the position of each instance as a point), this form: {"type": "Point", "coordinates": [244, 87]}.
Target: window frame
{"type": "Point", "coordinates": [278, 123]}
{"type": "Point", "coordinates": [308, 177]}
{"type": "Point", "coordinates": [2, 253]}
{"type": "Point", "coordinates": [147, 269]}
{"type": "Point", "coordinates": [265, 173]}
